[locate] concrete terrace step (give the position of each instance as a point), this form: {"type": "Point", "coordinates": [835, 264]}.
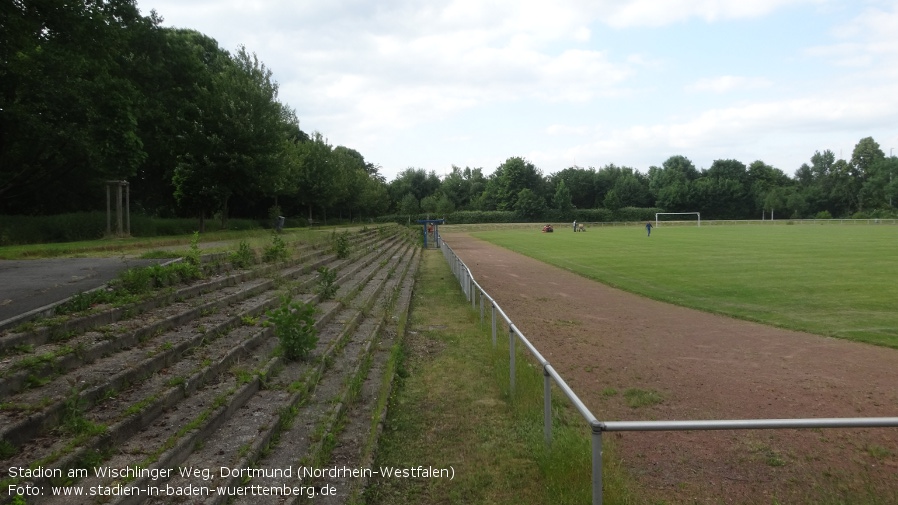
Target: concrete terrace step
{"type": "Point", "coordinates": [214, 376]}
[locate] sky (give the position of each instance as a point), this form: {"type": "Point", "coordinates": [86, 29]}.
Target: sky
{"type": "Point", "coordinates": [587, 83]}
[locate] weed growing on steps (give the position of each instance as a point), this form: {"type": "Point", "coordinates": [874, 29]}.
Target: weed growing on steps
{"type": "Point", "coordinates": [6, 449]}
{"type": "Point", "coordinates": [243, 257]}
{"type": "Point", "coordinates": [327, 286]}
{"type": "Point", "coordinates": [341, 244]}
{"type": "Point", "coordinates": [136, 281]}
{"type": "Point", "coordinates": [84, 301]}
{"type": "Point", "coordinates": [73, 420]}
{"type": "Point", "coordinates": [276, 251]}
{"type": "Point", "coordinates": [193, 254]}
{"type": "Point", "coordinates": [294, 325]}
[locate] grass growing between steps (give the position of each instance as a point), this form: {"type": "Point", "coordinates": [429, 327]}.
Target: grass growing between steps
{"type": "Point", "coordinates": [451, 408]}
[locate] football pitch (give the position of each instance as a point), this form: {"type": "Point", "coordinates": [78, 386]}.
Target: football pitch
{"type": "Point", "coordinates": [833, 280]}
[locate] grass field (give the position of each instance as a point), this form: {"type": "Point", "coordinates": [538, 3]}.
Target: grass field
{"type": "Point", "coordinates": [452, 405]}
{"type": "Point", "coordinates": [830, 280]}
{"type": "Point", "coordinates": [146, 246]}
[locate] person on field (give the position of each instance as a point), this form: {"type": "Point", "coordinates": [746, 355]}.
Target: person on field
{"type": "Point", "coordinates": [575, 226]}
{"type": "Point", "coordinates": [648, 229]}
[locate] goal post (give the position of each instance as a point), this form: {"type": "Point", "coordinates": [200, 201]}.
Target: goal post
{"type": "Point", "coordinates": [698, 215]}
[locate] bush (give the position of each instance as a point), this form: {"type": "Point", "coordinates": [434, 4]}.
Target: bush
{"type": "Point", "coordinates": [243, 257]}
{"type": "Point", "coordinates": [294, 325]}
{"type": "Point", "coordinates": [327, 286]}
{"type": "Point", "coordinates": [276, 251]}
{"type": "Point", "coordinates": [140, 280]}
{"type": "Point", "coordinates": [193, 254]}
{"type": "Point", "coordinates": [549, 216]}
{"type": "Point", "coordinates": [592, 215]}
{"type": "Point", "coordinates": [341, 244]}
{"type": "Point", "coordinates": [636, 214]}
{"type": "Point", "coordinates": [77, 226]}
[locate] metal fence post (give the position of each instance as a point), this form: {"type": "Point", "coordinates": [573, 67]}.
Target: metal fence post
{"type": "Point", "coordinates": [481, 309]}
{"type": "Point", "coordinates": [547, 405]}
{"type": "Point", "coordinates": [473, 292]}
{"type": "Point", "coordinates": [493, 305]}
{"type": "Point", "coordinates": [511, 357]}
{"type": "Point", "coordinates": [596, 465]}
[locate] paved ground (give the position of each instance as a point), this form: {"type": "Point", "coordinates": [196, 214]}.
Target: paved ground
{"type": "Point", "coordinates": [606, 343]}
{"type": "Point", "coordinates": [27, 285]}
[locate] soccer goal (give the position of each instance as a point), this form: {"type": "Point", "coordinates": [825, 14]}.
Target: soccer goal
{"type": "Point", "coordinates": [698, 216]}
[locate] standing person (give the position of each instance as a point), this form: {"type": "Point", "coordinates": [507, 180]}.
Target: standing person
{"type": "Point", "coordinates": [575, 225]}
{"type": "Point", "coordinates": [648, 229]}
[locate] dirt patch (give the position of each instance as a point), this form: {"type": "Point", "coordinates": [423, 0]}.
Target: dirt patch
{"type": "Point", "coordinates": [605, 342]}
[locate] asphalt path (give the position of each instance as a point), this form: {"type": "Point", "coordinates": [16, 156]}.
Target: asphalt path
{"type": "Point", "coordinates": [27, 285]}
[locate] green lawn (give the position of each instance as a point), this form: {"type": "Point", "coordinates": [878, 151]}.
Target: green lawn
{"type": "Point", "coordinates": [836, 280]}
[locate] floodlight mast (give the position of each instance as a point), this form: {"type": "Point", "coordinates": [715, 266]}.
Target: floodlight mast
{"type": "Point", "coordinates": [697, 214]}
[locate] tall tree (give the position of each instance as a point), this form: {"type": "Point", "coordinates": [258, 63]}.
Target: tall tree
{"type": "Point", "coordinates": [175, 74]}
{"type": "Point", "coordinates": [513, 176]}
{"type": "Point", "coordinates": [67, 107]}
{"type": "Point", "coordinates": [671, 184]}
{"type": "Point", "coordinates": [463, 186]}
{"type": "Point", "coordinates": [316, 176]}
{"type": "Point", "coordinates": [528, 205]}
{"type": "Point", "coordinates": [762, 178]}
{"type": "Point", "coordinates": [237, 147]}
{"type": "Point", "coordinates": [416, 181]}
{"type": "Point", "coordinates": [723, 191]}
{"type": "Point", "coordinates": [562, 199]}
{"type": "Point", "coordinates": [865, 156]}
{"type": "Point", "coordinates": [632, 189]}
{"type": "Point", "coordinates": [581, 182]}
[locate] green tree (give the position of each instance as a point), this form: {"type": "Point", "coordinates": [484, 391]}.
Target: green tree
{"type": "Point", "coordinates": [351, 181]}
{"type": "Point", "coordinates": [865, 156]}
{"type": "Point", "coordinates": [315, 177]}
{"type": "Point", "coordinates": [762, 178]}
{"type": "Point", "coordinates": [463, 186]}
{"type": "Point", "coordinates": [416, 181]}
{"type": "Point", "coordinates": [670, 184]}
{"type": "Point", "coordinates": [828, 184]}
{"type": "Point", "coordinates": [409, 205]}
{"type": "Point", "coordinates": [562, 199]}
{"type": "Point", "coordinates": [513, 176]}
{"type": "Point", "coordinates": [632, 190]}
{"type": "Point", "coordinates": [581, 182]}
{"type": "Point", "coordinates": [612, 200]}
{"type": "Point", "coordinates": [775, 200]}
{"type": "Point", "coordinates": [68, 118]}
{"type": "Point", "coordinates": [529, 205]}
{"type": "Point", "coordinates": [878, 191]}
{"type": "Point", "coordinates": [237, 148]}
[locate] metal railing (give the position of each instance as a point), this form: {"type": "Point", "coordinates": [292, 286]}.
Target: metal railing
{"type": "Point", "coordinates": [471, 289]}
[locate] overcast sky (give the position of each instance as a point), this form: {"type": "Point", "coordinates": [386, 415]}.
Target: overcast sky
{"type": "Point", "coordinates": [429, 84]}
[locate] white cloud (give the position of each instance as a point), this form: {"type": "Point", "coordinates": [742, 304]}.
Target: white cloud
{"type": "Point", "coordinates": [739, 131]}
{"type": "Point", "coordinates": [727, 83]}
{"type": "Point", "coordinates": [869, 40]}
{"type": "Point", "coordinates": [666, 12]}
{"type": "Point", "coordinates": [372, 75]}
{"type": "Point", "coordinates": [568, 130]}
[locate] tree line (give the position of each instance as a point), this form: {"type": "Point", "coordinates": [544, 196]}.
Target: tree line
{"type": "Point", "coordinates": [865, 185]}
{"type": "Point", "coordinates": [94, 91]}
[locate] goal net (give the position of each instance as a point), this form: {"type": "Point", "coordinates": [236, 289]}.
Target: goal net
{"type": "Point", "coordinates": [697, 220]}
